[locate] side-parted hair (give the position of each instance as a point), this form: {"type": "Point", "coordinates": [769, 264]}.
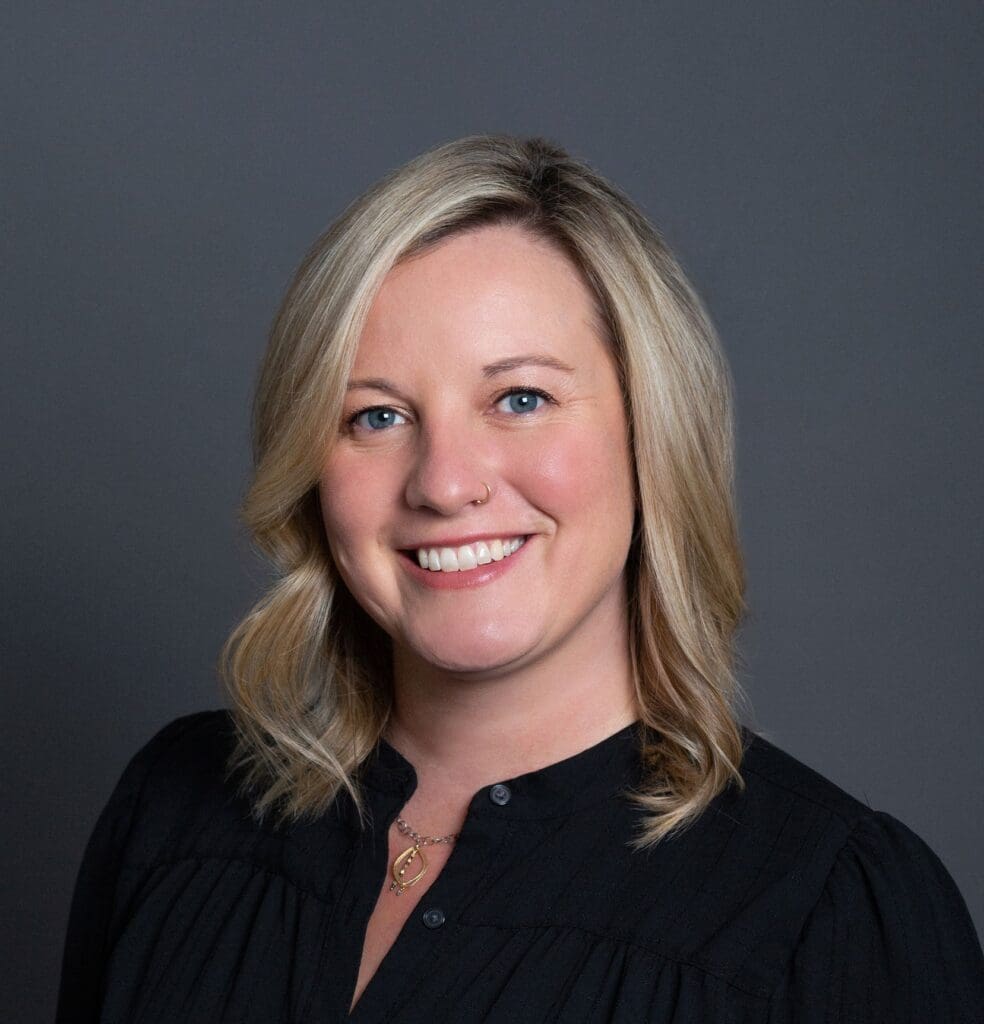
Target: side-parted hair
{"type": "Point", "coordinates": [308, 672]}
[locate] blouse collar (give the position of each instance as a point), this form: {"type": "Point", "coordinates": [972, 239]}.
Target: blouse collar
{"type": "Point", "coordinates": [592, 775]}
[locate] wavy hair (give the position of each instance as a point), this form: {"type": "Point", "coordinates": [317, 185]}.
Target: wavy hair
{"type": "Point", "coordinates": [308, 672]}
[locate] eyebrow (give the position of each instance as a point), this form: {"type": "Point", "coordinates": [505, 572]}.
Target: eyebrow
{"type": "Point", "coordinates": [495, 369]}
{"type": "Point", "coordinates": [533, 359]}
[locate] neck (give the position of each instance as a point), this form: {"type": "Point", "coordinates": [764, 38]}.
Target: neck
{"type": "Point", "coordinates": [463, 731]}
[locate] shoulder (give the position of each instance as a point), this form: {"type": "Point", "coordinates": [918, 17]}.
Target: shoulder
{"type": "Point", "coordinates": [853, 844]}
{"type": "Point", "coordinates": [851, 894]}
{"type": "Point", "coordinates": [859, 834]}
{"type": "Point", "coordinates": [774, 777]}
{"type": "Point", "coordinates": [836, 827]}
{"type": "Point", "coordinates": [189, 751]}
{"type": "Point", "coordinates": [184, 735]}
{"type": "Point", "coordinates": [176, 783]}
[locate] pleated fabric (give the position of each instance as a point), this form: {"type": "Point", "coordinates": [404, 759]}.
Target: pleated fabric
{"type": "Point", "coordinates": [789, 901]}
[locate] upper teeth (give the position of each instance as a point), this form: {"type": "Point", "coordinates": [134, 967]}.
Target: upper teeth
{"type": "Point", "coordinates": [468, 555]}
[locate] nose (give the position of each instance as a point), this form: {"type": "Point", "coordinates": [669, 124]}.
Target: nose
{"type": "Point", "coordinates": [448, 470]}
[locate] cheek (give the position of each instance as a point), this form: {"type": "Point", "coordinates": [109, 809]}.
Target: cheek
{"type": "Point", "coordinates": [347, 500]}
{"type": "Point", "coordinates": [348, 494]}
{"type": "Point", "coordinates": [587, 473]}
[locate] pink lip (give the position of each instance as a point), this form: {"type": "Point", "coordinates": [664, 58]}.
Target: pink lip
{"type": "Point", "coordinates": [463, 580]}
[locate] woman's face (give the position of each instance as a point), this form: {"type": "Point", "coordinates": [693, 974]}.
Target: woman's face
{"type": "Point", "coordinates": [480, 363]}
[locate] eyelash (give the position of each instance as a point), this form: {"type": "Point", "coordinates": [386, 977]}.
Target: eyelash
{"type": "Point", "coordinates": [545, 395]}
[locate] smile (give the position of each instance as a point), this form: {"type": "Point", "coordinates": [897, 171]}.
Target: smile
{"type": "Point", "coordinates": [468, 556]}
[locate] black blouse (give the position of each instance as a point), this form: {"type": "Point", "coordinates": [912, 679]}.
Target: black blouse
{"type": "Point", "coordinates": [789, 902]}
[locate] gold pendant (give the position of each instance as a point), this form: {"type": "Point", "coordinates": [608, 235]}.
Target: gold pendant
{"type": "Point", "coordinates": [400, 881]}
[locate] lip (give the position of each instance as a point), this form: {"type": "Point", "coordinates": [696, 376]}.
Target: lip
{"type": "Point", "coordinates": [472, 577]}
{"type": "Point", "coordinates": [456, 542]}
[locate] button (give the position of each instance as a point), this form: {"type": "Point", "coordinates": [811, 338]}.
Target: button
{"type": "Point", "coordinates": [500, 794]}
{"type": "Point", "coordinates": [434, 917]}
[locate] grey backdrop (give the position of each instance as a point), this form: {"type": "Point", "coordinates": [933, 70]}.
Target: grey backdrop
{"type": "Point", "coordinates": [816, 167]}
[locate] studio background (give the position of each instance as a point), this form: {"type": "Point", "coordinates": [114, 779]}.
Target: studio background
{"type": "Point", "coordinates": [815, 167]}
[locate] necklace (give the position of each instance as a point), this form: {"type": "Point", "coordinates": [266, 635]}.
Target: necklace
{"type": "Point", "coordinates": [411, 854]}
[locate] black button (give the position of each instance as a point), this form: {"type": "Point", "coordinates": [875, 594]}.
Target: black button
{"type": "Point", "coordinates": [434, 917]}
{"type": "Point", "coordinates": [500, 794]}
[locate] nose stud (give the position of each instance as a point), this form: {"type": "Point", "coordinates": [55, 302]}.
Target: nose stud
{"type": "Point", "coordinates": [488, 494]}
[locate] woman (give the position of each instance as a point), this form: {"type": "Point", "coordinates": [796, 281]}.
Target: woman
{"type": "Point", "coordinates": [483, 761]}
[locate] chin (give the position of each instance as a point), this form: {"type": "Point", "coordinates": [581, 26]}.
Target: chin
{"type": "Point", "coordinates": [487, 654]}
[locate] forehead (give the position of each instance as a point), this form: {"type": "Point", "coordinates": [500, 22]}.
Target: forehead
{"type": "Point", "coordinates": [485, 293]}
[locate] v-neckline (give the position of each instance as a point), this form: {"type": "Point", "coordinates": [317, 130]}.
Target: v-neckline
{"type": "Point", "coordinates": [419, 900]}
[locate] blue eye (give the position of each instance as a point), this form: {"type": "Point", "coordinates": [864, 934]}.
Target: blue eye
{"type": "Point", "coordinates": [377, 418]}
{"type": "Point", "coordinates": [524, 400]}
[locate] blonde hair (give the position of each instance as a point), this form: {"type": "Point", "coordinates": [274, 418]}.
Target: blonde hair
{"type": "Point", "coordinates": [308, 672]}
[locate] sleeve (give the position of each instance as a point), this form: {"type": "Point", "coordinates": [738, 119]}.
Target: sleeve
{"type": "Point", "coordinates": [87, 937]}
{"type": "Point", "coordinates": [889, 940]}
